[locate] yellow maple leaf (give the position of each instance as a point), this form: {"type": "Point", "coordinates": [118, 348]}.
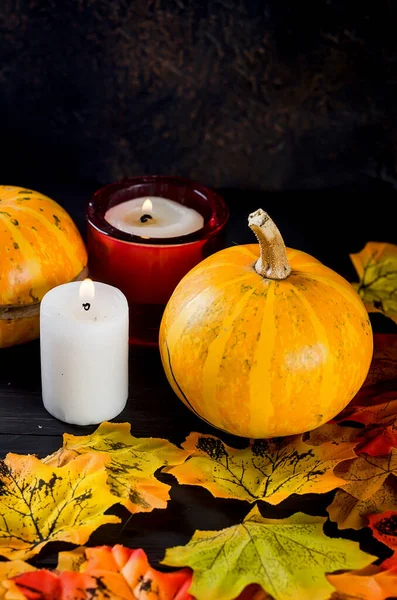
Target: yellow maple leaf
{"type": "Point", "coordinates": [288, 558]}
{"type": "Point", "coordinates": [41, 504]}
{"type": "Point", "coordinates": [350, 512]}
{"type": "Point", "coordinates": [376, 266]}
{"type": "Point", "coordinates": [132, 463]}
{"type": "Point", "coordinates": [370, 483]}
{"type": "Point", "coordinates": [269, 470]}
{"type": "Point", "coordinates": [10, 568]}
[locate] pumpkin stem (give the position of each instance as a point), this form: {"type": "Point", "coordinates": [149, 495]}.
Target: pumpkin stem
{"type": "Point", "coordinates": [273, 261]}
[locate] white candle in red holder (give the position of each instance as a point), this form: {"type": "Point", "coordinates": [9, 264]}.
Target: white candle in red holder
{"type": "Point", "coordinates": [154, 217]}
{"type": "Point", "coordinates": [84, 352]}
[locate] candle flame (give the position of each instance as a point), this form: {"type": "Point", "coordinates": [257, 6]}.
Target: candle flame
{"type": "Point", "coordinates": [147, 206]}
{"type": "Point", "coordinates": [87, 289]}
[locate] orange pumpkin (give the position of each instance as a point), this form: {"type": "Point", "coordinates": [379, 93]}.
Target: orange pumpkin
{"type": "Point", "coordinates": [40, 248]}
{"type": "Point", "coordinates": [264, 341]}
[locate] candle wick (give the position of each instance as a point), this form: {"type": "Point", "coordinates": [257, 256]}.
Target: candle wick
{"type": "Point", "coordinates": [86, 306]}
{"type": "Point", "coordinates": [145, 218]}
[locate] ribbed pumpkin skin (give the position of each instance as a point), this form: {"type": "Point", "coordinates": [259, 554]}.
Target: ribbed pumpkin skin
{"type": "Point", "coordinates": [263, 358]}
{"type": "Point", "coordinates": [40, 248]}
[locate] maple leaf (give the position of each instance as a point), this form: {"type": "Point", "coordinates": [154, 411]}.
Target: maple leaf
{"type": "Point", "coordinates": [75, 560]}
{"type": "Point", "coordinates": [384, 528]}
{"type": "Point", "coordinates": [266, 469]}
{"type": "Point", "coordinates": [133, 567]}
{"type": "Point", "coordinates": [10, 591]}
{"type": "Point", "coordinates": [378, 435]}
{"type": "Point", "coordinates": [10, 569]}
{"type": "Point", "coordinates": [47, 585]}
{"type": "Point", "coordinates": [288, 558]}
{"type": "Point", "coordinates": [41, 504]}
{"type": "Point", "coordinates": [369, 583]}
{"type": "Point", "coordinates": [383, 367]}
{"type": "Point", "coordinates": [131, 465]}
{"type": "Point", "coordinates": [71, 560]}
{"type": "Point", "coordinates": [332, 432]}
{"type": "Point", "coordinates": [117, 573]}
{"type": "Point", "coordinates": [371, 488]}
{"type": "Point", "coordinates": [376, 266]}
{"type": "Point", "coordinates": [352, 513]}
{"type": "Point", "coordinates": [254, 592]}
{"type": "Point", "coordinates": [366, 474]}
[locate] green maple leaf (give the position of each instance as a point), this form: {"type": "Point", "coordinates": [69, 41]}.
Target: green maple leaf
{"type": "Point", "coordinates": [376, 265]}
{"type": "Point", "coordinates": [287, 557]}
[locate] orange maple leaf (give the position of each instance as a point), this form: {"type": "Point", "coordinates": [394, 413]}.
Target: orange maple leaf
{"type": "Point", "coordinates": [120, 558]}
{"type": "Point", "coordinates": [9, 569]}
{"type": "Point", "coordinates": [384, 528]}
{"type": "Point", "coordinates": [370, 583]}
{"type": "Point", "coordinates": [376, 437]}
{"type": "Point", "coordinates": [380, 433]}
{"type": "Point", "coordinates": [117, 573]}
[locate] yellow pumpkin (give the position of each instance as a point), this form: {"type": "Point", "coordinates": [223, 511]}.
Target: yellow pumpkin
{"type": "Point", "coordinates": [265, 341]}
{"type": "Point", "coordinates": [40, 248]}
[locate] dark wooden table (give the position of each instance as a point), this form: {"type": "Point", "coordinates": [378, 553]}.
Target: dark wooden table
{"type": "Point", "coordinates": [327, 224]}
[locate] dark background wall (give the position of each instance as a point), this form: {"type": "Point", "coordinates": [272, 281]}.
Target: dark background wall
{"type": "Point", "coordinates": [271, 94]}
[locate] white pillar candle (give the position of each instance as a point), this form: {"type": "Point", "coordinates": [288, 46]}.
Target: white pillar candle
{"type": "Point", "coordinates": [84, 352]}
{"type": "Point", "coordinates": [154, 217]}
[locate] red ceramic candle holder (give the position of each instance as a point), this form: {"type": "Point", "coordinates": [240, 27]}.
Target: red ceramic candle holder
{"type": "Point", "coordinates": [148, 270]}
